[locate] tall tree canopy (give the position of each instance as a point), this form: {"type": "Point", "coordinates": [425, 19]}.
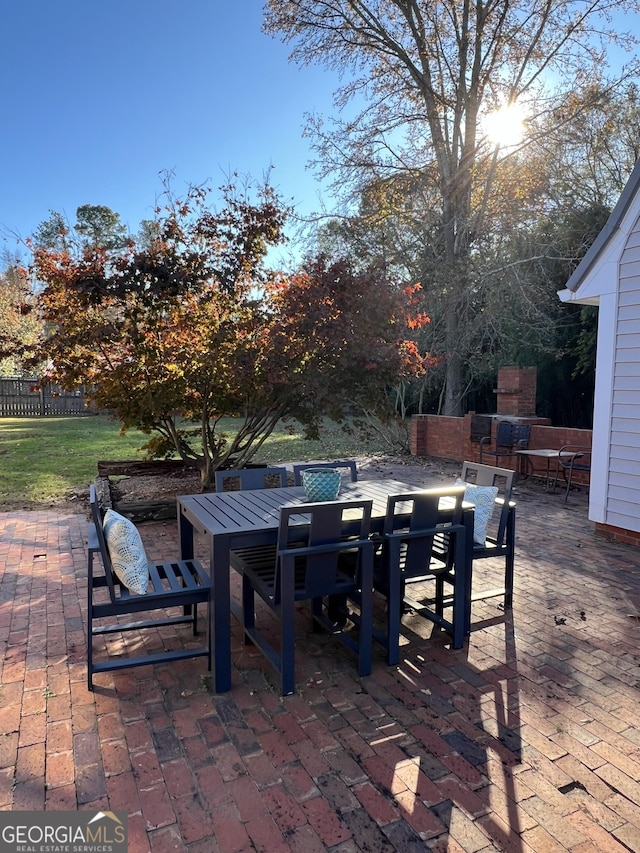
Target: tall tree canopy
{"type": "Point", "coordinates": [95, 225]}
{"type": "Point", "coordinates": [429, 74]}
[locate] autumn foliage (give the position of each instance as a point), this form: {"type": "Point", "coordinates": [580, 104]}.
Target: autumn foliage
{"type": "Point", "coordinates": [187, 327]}
{"type": "Point", "coordinates": [18, 321]}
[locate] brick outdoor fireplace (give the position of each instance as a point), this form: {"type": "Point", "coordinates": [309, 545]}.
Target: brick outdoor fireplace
{"type": "Point", "coordinates": [516, 392]}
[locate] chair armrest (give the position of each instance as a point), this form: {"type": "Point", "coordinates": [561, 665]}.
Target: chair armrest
{"type": "Point", "coordinates": [499, 501]}
{"type": "Point", "coordinates": [403, 536]}
{"type": "Point", "coordinates": [486, 439]}
{"type": "Point", "coordinates": [331, 548]}
{"type": "Point", "coordinates": [567, 460]}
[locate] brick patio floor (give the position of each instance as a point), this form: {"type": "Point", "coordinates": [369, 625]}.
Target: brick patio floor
{"type": "Point", "coordinates": [528, 739]}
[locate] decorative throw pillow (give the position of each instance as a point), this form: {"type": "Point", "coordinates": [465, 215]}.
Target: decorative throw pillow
{"type": "Point", "coordinates": [126, 551]}
{"type": "Point", "coordinates": [484, 500]}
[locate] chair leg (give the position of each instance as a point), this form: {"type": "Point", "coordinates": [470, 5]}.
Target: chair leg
{"type": "Point", "coordinates": [509, 562]}
{"type": "Point", "coordinates": [338, 610]}
{"type": "Point", "coordinates": [287, 645]}
{"type": "Point", "coordinates": [365, 642]}
{"type": "Point", "coordinates": [566, 494]}
{"type": "Point", "coordinates": [394, 611]}
{"type": "Point", "coordinates": [439, 597]}
{"type": "Point", "coordinates": [90, 620]}
{"type": "Point", "coordinates": [459, 615]}
{"type": "Point", "coordinates": [191, 611]}
{"type": "Point", "coordinates": [90, 650]}
{"type": "Point", "coordinates": [316, 615]}
{"type": "Point", "coordinates": [248, 609]}
{"type": "Point", "coordinates": [209, 639]}
{"type": "Point", "coordinates": [468, 550]}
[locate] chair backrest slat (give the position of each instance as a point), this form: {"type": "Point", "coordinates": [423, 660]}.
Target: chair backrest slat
{"type": "Point", "coordinates": [316, 525]}
{"type": "Point", "coordinates": [345, 465]}
{"type": "Point", "coordinates": [251, 478]}
{"type": "Point", "coordinates": [419, 510]}
{"type": "Point", "coordinates": [510, 435]}
{"type": "Point", "coordinates": [413, 512]}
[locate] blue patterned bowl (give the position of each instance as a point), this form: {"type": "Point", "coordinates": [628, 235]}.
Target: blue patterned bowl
{"type": "Point", "coordinates": [321, 484]}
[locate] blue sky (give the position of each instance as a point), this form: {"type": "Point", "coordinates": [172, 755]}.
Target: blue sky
{"type": "Point", "coordinates": [101, 96]}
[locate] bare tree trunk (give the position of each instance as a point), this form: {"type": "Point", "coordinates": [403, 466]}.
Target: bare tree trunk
{"type": "Point", "coordinates": [452, 405]}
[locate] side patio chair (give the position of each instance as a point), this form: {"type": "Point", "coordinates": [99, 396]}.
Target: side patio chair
{"type": "Point", "coordinates": [574, 459]}
{"type": "Point", "coordinates": [510, 437]}
{"type": "Point", "coordinates": [170, 586]}
{"type": "Point", "coordinates": [490, 490]}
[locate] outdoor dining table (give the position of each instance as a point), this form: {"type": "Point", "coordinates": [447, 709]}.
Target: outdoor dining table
{"type": "Point", "coordinates": [237, 519]}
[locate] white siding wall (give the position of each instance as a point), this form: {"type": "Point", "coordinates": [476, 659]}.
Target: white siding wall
{"type": "Point", "coordinates": [623, 493]}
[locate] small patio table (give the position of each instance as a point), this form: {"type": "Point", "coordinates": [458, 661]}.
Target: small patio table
{"type": "Point", "coordinates": [246, 518]}
{"type": "Point", "coordinates": [542, 453]}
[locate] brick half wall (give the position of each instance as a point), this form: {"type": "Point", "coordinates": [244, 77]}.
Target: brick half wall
{"type": "Point", "coordinates": [450, 438]}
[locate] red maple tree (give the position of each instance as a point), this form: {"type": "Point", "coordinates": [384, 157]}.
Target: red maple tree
{"type": "Point", "coordinates": [187, 327]}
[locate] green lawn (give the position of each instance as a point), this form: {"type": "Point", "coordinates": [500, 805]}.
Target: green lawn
{"type": "Point", "coordinates": [43, 459]}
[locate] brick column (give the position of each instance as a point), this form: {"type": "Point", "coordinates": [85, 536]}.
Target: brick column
{"type": "Point", "coordinates": [418, 437]}
{"type": "Point", "coordinates": [516, 392]}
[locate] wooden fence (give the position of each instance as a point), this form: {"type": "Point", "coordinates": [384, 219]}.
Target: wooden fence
{"type": "Point", "coordinates": [22, 398]}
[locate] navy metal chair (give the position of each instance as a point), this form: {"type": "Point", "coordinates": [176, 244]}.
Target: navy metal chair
{"type": "Point", "coordinates": [500, 533]}
{"type": "Point", "coordinates": [510, 437]}
{"type": "Point", "coordinates": [347, 465]}
{"type": "Point", "coordinates": [574, 459]}
{"type": "Point", "coordinates": [172, 584]}
{"type": "Point", "coordinates": [305, 565]}
{"type": "Point", "coordinates": [421, 540]}
{"type": "Point", "coordinates": [251, 478]}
